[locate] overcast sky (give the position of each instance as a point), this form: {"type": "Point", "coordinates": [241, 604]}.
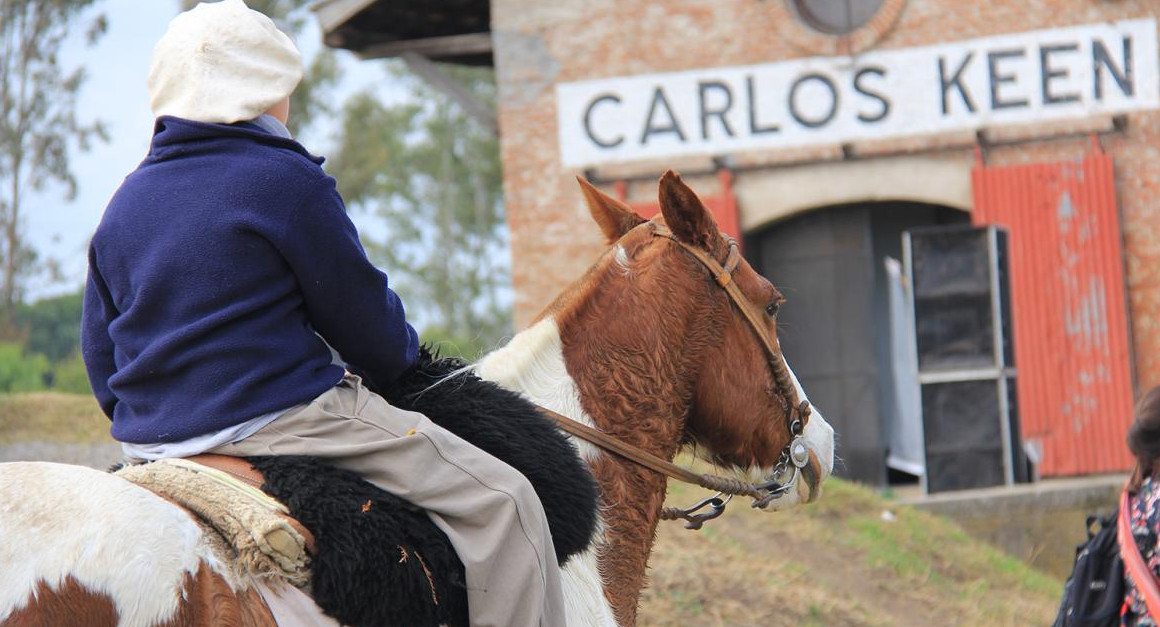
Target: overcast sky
{"type": "Point", "coordinates": [116, 93]}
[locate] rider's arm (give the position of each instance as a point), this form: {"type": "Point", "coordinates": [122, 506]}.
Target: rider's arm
{"type": "Point", "coordinates": [347, 299]}
{"type": "Point", "coordinates": [96, 345]}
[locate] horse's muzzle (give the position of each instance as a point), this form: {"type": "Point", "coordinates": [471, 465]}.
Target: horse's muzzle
{"type": "Point", "coordinates": [806, 484]}
{"type": "Point", "coordinates": [810, 482]}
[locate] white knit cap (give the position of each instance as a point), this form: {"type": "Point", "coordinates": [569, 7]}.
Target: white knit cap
{"type": "Point", "coordinates": [222, 62]}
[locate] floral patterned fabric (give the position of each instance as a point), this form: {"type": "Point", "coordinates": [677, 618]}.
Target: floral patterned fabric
{"type": "Point", "coordinates": [1145, 518]}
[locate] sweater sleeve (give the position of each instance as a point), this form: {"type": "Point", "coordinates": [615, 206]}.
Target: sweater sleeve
{"type": "Point", "coordinates": [348, 300]}
{"type": "Point", "coordinates": [97, 313]}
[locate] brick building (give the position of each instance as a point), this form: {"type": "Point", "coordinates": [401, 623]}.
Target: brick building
{"type": "Point", "coordinates": [825, 130]}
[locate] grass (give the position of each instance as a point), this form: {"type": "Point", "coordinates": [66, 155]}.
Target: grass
{"type": "Point", "coordinates": [52, 416]}
{"type": "Point", "coordinates": [840, 561]}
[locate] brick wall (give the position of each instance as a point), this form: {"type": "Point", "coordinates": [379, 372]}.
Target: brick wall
{"type": "Point", "coordinates": [539, 44]}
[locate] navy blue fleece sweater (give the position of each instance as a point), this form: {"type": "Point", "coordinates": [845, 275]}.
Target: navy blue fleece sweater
{"type": "Point", "coordinates": [215, 264]}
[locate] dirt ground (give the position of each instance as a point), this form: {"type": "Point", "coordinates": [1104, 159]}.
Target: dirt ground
{"type": "Point", "coordinates": [852, 559]}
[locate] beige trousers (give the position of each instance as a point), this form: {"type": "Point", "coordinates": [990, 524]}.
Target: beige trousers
{"type": "Point", "coordinates": [488, 510]}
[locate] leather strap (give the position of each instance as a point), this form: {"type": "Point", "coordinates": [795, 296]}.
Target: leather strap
{"type": "Point", "coordinates": [723, 274]}
{"type": "Point", "coordinates": [235, 467]}
{"type": "Point", "coordinates": [1142, 576]}
{"type": "Point", "coordinates": [650, 461]}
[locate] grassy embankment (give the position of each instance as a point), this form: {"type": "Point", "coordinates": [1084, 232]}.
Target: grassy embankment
{"type": "Point", "coordinates": [52, 416]}
{"type": "Point", "coordinates": [851, 559]}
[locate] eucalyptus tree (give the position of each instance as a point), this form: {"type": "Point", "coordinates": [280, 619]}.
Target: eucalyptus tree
{"type": "Point", "coordinates": [432, 173]}
{"type": "Point", "coordinates": [38, 123]}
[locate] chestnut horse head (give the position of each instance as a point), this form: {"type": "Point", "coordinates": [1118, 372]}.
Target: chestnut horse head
{"type": "Point", "coordinates": [719, 349]}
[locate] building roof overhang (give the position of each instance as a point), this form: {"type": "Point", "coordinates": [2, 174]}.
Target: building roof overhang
{"type": "Point", "coordinates": [450, 31]}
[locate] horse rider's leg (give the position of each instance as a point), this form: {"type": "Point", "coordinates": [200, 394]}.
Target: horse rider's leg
{"type": "Point", "coordinates": [488, 510]}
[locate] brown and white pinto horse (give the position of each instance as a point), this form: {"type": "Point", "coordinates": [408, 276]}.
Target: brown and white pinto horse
{"type": "Point", "coordinates": [644, 347]}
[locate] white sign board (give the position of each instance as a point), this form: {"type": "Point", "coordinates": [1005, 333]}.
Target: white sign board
{"type": "Point", "coordinates": [1028, 77]}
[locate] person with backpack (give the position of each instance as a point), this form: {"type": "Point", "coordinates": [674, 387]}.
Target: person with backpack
{"type": "Point", "coordinates": [1102, 590]}
{"type": "Point", "coordinates": [1143, 502]}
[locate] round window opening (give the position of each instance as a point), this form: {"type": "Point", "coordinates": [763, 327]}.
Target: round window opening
{"type": "Point", "coordinates": [837, 17]}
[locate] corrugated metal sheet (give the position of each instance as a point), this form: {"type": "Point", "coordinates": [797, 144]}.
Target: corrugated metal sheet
{"type": "Point", "coordinates": [1068, 308]}
{"type": "Point", "coordinates": [723, 206]}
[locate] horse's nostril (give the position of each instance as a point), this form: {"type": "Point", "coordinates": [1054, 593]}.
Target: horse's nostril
{"type": "Point", "coordinates": [815, 476]}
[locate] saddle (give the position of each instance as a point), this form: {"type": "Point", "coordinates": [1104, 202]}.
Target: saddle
{"type": "Point", "coordinates": [225, 493]}
{"type": "Point", "coordinates": [367, 557]}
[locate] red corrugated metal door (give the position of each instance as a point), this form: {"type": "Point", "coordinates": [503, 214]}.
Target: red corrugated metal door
{"type": "Point", "coordinates": [1068, 308]}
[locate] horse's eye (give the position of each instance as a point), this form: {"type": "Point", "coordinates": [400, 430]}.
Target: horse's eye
{"type": "Point", "coordinates": [771, 310]}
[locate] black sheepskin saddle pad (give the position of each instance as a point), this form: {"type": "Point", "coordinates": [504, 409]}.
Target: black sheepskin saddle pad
{"type": "Point", "coordinates": [379, 559]}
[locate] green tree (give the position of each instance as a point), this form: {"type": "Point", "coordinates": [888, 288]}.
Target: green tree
{"type": "Point", "coordinates": [70, 376]}
{"type": "Point", "coordinates": [38, 123]}
{"type": "Point", "coordinates": [51, 327]}
{"type": "Point", "coordinates": [20, 371]}
{"type": "Point", "coordinates": [433, 174]}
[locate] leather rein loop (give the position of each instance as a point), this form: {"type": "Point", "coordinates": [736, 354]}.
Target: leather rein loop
{"type": "Point", "coordinates": [797, 414]}
{"type": "Point", "coordinates": [650, 461]}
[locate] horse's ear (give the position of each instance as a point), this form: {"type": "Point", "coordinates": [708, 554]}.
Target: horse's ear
{"type": "Point", "coordinates": [685, 214]}
{"type": "Point", "coordinates": [614, 217]}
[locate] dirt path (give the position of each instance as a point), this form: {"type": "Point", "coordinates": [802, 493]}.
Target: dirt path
{"type": "Point", "coordinates": [854, 560]}
{"type": "Point", "coordinates": [99, 456]}
{"type": "Point", "coordinates": [843, 574]}
{"type": "Point", "coordinates": [750, 570]}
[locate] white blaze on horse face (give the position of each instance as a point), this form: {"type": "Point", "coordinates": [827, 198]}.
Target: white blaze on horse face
{"type": "Point", "coordinates": [819, 437]}
{"type": "Point", "coordinates": [532, 364]}
{"type": "Point", "coordinates": [819, 434]}
{"type": "Point", "coordinates": [111, 536]}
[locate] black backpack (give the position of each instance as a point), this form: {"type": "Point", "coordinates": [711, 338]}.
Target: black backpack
{"type": "Point", "coordinates": [1094, 593]}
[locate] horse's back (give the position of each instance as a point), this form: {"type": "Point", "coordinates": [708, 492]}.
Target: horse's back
{"type": "Point", "coordinates": [83, 547]}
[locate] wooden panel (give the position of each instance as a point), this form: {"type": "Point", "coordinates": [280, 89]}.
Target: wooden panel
{"type": "Point", "coordinates": [1068, 307]}
{"type": "Point", "coordinates": [823, 262]}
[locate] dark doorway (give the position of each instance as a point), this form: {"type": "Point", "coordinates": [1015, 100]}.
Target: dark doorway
{"type": "Point", "coordinates": [834, 329]}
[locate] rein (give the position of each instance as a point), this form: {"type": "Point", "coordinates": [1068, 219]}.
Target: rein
{"type": "Point", "coordinates": [795, 452]}
{"type": "Point", "coordinates": [721, 485]}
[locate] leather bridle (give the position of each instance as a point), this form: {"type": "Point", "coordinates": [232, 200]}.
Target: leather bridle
{"type": "Point", "coordinates": [797, 413]}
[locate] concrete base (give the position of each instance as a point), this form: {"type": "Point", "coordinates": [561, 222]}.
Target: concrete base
{"type": "Point", "coordinates": [1040, 523]}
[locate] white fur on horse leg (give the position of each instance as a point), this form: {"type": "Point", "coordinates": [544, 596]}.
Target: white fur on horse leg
{"type": "Point", "coordinates": [584, 601]}
{"type": "Point", "coordinates": [110, 536]}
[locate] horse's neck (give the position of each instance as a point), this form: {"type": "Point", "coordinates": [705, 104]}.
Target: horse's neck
{"type": "Point", "coordinates": [533, 363]}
